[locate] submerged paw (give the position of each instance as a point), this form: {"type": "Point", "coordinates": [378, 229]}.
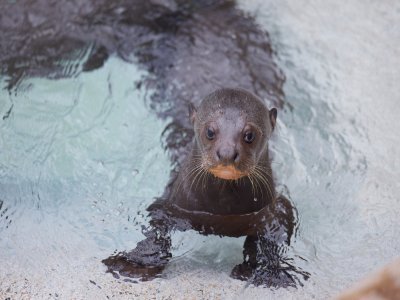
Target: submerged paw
{"type": "Point", "coordinates": [123, 265]}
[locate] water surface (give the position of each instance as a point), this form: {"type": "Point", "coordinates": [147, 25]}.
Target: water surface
{"type": "Point", "coordinates": [82, 156]}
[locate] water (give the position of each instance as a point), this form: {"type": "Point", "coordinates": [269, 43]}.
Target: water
{"type": "Point", "coordinates": [73, 184]}
{"type": "Point", "coordinates": [81, 157]}
{"type": "Point", "coordinates": [341, 70]}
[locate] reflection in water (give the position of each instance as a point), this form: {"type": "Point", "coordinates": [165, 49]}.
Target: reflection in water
{"type": "Point", "coordinates": [72, 182]}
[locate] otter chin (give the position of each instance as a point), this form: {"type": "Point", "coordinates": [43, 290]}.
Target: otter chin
{"type": "Point", "coordinates": [228, 172]}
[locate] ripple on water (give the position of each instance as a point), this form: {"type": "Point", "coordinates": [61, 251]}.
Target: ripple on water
{"type": "Point", "coordinates": [72, 168]}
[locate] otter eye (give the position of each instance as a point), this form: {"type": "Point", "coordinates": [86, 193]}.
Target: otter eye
{"type": "Point", "coordinates": [210, 133]}
{"type": "Point", "coordinates": [249, 137]}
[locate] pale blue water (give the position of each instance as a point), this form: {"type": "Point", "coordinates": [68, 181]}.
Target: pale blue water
{"type": "Point", "coordinates": [80, 158]}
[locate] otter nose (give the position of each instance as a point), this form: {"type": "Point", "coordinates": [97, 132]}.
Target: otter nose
{"type": "Point", "coordinates": [227, 156]}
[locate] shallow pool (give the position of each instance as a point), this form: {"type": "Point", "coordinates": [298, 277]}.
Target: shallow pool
{"type": "Point", "coordinates": [82, 156]}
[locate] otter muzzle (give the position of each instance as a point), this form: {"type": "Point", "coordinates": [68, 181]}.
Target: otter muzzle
{"type": "Point", "coordinates": [228, 172]}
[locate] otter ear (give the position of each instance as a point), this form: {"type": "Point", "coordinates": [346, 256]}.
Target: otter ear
{"type": "Point", "coordinates": [192, 112]}
{"type": "Point", "coordinates": [272, 117]}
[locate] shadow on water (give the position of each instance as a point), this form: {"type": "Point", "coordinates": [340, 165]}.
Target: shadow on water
{"type": "Point", "coordinates": [186, 48]}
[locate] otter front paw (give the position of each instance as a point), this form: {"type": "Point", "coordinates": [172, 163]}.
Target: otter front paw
{"type": "Point", "coordinates": [264, 275]}
{"type": "Point", "coordinates": [242, 271]}
{"type": "Point", "coordinates": [120, 265]}
{"type": "Point", "coordinates": [145, 262]}
{"type": "Point", "coordinates": [272, 277]}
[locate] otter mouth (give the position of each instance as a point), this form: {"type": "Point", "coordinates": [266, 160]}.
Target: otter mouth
{"type": "Point", "coordinates": [228, 172]}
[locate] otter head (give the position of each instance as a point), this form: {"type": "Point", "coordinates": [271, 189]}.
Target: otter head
{"type": "Point", "coordinates": [232, 128]}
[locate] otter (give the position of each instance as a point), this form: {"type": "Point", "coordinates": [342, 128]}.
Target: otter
{"type": "Point", "coordinates": [224, 187]}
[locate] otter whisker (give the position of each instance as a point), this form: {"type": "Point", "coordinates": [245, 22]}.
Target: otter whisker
{"type": "Point", "coordinates": [200, 179]}
{"type": "Point", "coordinates": [252, 184]}
{"type": "Point", "coordinates": [257, 184]}
{"type": "Point", "coordinates": [192, 171]}
{"type": "Point", "coordinates": [263, 178]}
{"type": "Point", "coordinates": [200, 169]}
{"type": "Point", "coordinates": [204, 178]}
{"type": "Point", "coordinates": [266, 171]}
